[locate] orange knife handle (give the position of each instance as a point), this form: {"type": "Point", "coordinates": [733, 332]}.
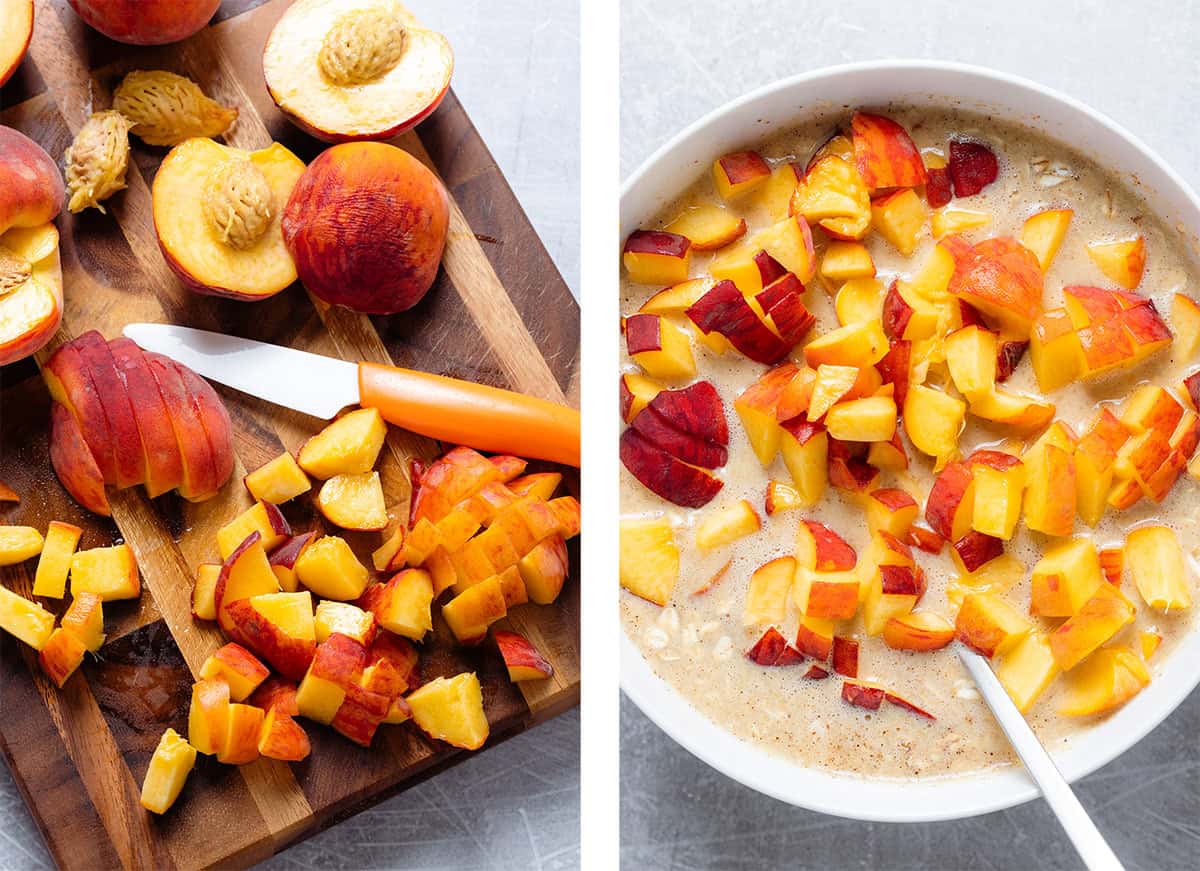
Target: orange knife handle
{"type": "Point", "coordinates": [465, 413]}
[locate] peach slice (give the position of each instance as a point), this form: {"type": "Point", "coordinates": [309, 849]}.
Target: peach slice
{"type": "Point", "coordinates": [25, 620]}
{"type": "Point", "coordinates": [885, 154]}
{"type": "Point", "coordinates": [845, 656]}
{"type": "Point", "coordinates": [747, 266]}
{"type": "Point", "coordinates": [544, 570]}
{"type": "Point", "coordinates": [14, 42]}
{"type": "Point", "coordinates": [471, 612]}
{"type": "Point", "coordinates": [57, 551]}
{"type": "Point", "coordinates": [74, 463]}
{"type": "Point", "coordinates": [998, 489]}
{"type": "Point", "coordinates": [1185, 318]}
{"type": "Point", "coordinates": [1044, 232]}
{"type": "Point", "coordinates": [146, 23]}
{"type": "Point", "coordinates": [451, 710]}
{"type": "Point", "coordinates": [363, 69]}
{"type": "Point", "coordinates": [1157, 562]}
{"type": "Point", "coordinates": [805, 448]}
{"type": "Point", "coordinates": [918, 630]}
{"type": "Point", "coordinates": [162, 461]}
{"type": "Point", "coordinates": [402, 605]}
{"type": "Point", "coordinates": [775, 195]}
{"type": "Point", "coordinates": [238, 667]}
{"type": "Point", "coordinates": [1148, 642]}
{"type": "Point", "coordinates": [354, 501]}
{"type": "Point", "coordinates": [19, 543]}
{"type": "Point", "coordinates": [891, 510]}
{"type": "Point", "coordinates": [737, 174]}
{"type": "Point", "coordinates": [1123, 261]}
{"type": "Point", "coordinates": [278, 481]}
{"type": "Point", "coordinates": [756, 406]}
{"type": "Point", "coordinates": [218, 428]}
{"type": "Point", "coordinates": [199, 464]}
{"type": "Point", "coordinates": [859, 300]}
{"type": "Point", "coordinates": [766, 598]}
{"type": "Point", "coordinates": [348, 446]}
{"type": "Point", "coordinates": [169, 768]}
{"type": "Point", "coordinates": [31, 288]}
{"type": "Point", "coordinates": [204, 592]}
{"type": "Point", "coordinates": [862, 695]}
{"type": "Point", "coordinates": [657, 257]}
{"type": "Point", "coordinates": [859, 345]}
{"type": "Point", "coordinates": [707, 227]}
{"type": "Point", "coordinates": [828, 595]}
{"type": "Point", "coordinates": [523, 660]}
{"type": "Point", "coordinates": [772, 649]}
{"type": "Point", "coordinates": [216, 214]}
{"type": "Point", "coordinates": [109, 572]}
{"type": "Point", "coordinates": [1049, 505]}
{"type": "Point", "coordinates": [833, 194]}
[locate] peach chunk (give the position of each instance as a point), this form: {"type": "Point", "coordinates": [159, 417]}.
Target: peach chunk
{"type": "Point", "coordinates": [263, 518]}
{"type": "Point", "coordinates": [707, 227]}
{"type": "Point", "coordinates": [366, 226]}
{"type": "Point", "coordinates": [74, 463]}
{"type": "Point", "coordinates": [278, 481]}
{"type": "Point", "coordinates": [451, 710]}
{"type": "Point", "coordinates": [348, 446]}
{"type": "Point", "coordinates": [727, 525]}
{"type": "Point", "coordinates": [989, 625]}
{"type": "Point", "coordinates": [109, 572]}
{"type": "Point", "coordinates": [544, 570]}
{"type": "Point", "coordinates": [739, 173]}
{"type": "Point", "coordinates": [19, 543]}
{"type": "Point", "coordinates": [1107, 680]}
{"type": "Point", "coordinates": [1002, 279]}
{"type": "Point", "coordinates": [238, 667]}
{"type": "Point", "coordinates": [901, 218]}
{"type": "Point", "coordinates": [330, 569]}
{"type": "Point", "coordinates": [649, 558]}
{"type": "Point", "coordinates": [243, 724]}
{"type": "Point", "coordinates": [919, 630]}
{"type": "Point", "coordinates": [402, 605]}
{"type": "Point", "coordinates": [1100, 618]}
{"type": "Point", "coordinates": [169, 768]}
{"type": "Point", "coordinates": [1027, 669]}
{"type": "Point", "coordinates": [933, 421]}
{"type": "Point", "coordinates": [659, 347]}
{"type": "Point", "coordinates": [208, 717]}
{"type": "Point", "coordinates": [85, 620]}
{"type": "Point", "coordinates": [657, 257]}
{"type": "Point", "coordinates": [14, 42]}
{"type": "Point", "coordinates": [354, 501]}
{"type": "Point", "coordinates": [337, 664]}
{"type": "Point", "coordinates": [1123, 261]}
{"type": "Point", "coordinates": [28, 621]}
{"type": "Point", "coordinates": [523, 660]}
{"type": "Point", "coordinates": [1043, 234]}
{"type": "Point", "coordinates": [885, 154]}
{"type": "Point", "coordinates": [345, 619]}
{"type": "Point", "coordinates": [1065, 578]}
{"type": "Point", "coordinates": [61, 655]}
{"type": "Point", "coordinates": [1159, 572]}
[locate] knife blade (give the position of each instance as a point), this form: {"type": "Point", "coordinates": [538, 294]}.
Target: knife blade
{"type": "Point", "coordinates": [447, 409]}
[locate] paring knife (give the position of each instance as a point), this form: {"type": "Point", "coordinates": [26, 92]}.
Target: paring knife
{"type": "Point", "coordinates": [446, 409]}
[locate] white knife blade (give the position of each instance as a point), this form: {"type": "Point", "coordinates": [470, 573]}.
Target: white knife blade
{"type": "Point", "coordinates": [316, 385]}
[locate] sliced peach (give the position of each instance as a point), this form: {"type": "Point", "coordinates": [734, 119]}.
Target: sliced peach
{"type": "Point", "coordinates": [85, 620]}
{"type": "Point", "coordinates": [1002, 279]}
{"type": "Point", "coordinates": [756, 406]}
{"type": "Point", "coordinates": [1065, 578]}
{"type": "Point", "coordinates": [1157, 562]}
{"type": "Point", "coordinates": [789, 242]}
{"type": "Point", "coordinates": [727, 525]}
{"type": "Point", "coordinates": [933, 421]}
{"type": "Point", "coordinates": [61, 656]}
{"type": "Point", "coordinates": [767, 597]}
{"type": "Point", "coordinates": [885, 154]}
{"type": "Point", "coordinates": [471, 612]}
{"type": "Point", "coordinates": [900, 217]}
{"type": "Point", "coordinates": [989, 625]}
{"type": "Point", "coordinates": [1107, 680]}
{"type": "Point", "coordinates": [245, 573]}
{"type": "Point", "coordinates": [523, 660]}
{"type": "Point", "coordinates": [1100, 618]}
{"type": "Point", "coordinates": [918, 630]}
{"type": "Point", "coordinates": [238, 667]}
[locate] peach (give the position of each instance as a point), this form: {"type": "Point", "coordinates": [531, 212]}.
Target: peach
{"type": "Point", "coordinates": [208, 717]}
{"type": "Point", "coordinates": [215, 215]}
{"type": "Point", "coordinates": [366, 224]}
{"type": "Point", "coordinates": [451, 710]}
{"type": "Point", "coordinates": [1027, 669]}
{"type": "Point", "coordinates": [337, 664]}
{"type": "Point", "coordinates": [1002, 279]}
{"type": "Point", "coordinates": [363, 69]}
{"type": "Point", "coordinates": [279, 627]}
{"type": "Point", "coordinates": [707, 227]}
{"type": "Point", "coordinates": [261, 517]}
{"type": "Point", "coordinates": [989, 625]}
{"type": "Point", "coordinates": [85, 620]}
{"type": "Point", "coordinates": [1100, 618]}
{"type": "Point", "coordinates": [885, 154]}
{"type": "Point", "coordinates": [146, 22]}
{"type": "Point", "coordinates": [918, 630]}
{"type": "Point", "coordinates": [61, 656]}
{"type": "Point", "coordinates": [1157, 562]}
{"type": "Point", "coordinates": [26, 620]}
{"type": "Point", "coordinates": [243, 724]}
{"type": "Point", "coordinates": [31, 306]}
{"type": "Point", "coordinates": [74, 463]}
{"type": "Point", "coordinates": [354, 501]}
{"type": "Point", "coordinates": [659, 347]}
{"type": "Point", "coordinates": [245, 573]}
{"type": "Point", "coordinates": [109, 572]}
{"type": "Point", "coordinates": [236, 666]}
{"type": "Point", "coordinates": [331, 570]}
{"type": "Point", "coordinates": [162, 462]}
{"type": "Point", "coordinates": [737, 174]}
{"type": "Point", "coordinates": [523, 660]}
{"type": "Point", "coordinates": [14, 41]}
{"type": "Point", "coordinates": [169, 768]}
{"type": "Point", "coordinates": [57, 551]}
{"type": "Point", "coordinates": [1109, 679]}
{"type": "Point", "coordinates": [727, 525]}
{"type": "Point", "coordinates": [281, 737]}
{"type": "Point", "coordinates": [32, 186]}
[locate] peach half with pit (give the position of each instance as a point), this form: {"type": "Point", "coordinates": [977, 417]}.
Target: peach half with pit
{"type": "Point", "coordinates": [366, 225]}
{"type": "Point", "coordinates": [362, 69]}
{"type": "Point", "coordinates": [217, 216]}
{"type": "Point", "coordinates": [146, 22]}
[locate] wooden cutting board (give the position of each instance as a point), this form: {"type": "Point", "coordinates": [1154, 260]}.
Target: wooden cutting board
{"type": "Point", "coordinates": [499, 314]}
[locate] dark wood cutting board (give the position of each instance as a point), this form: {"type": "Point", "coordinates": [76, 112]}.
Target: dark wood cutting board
{"type": "Point", "coordinates": [499, 314]}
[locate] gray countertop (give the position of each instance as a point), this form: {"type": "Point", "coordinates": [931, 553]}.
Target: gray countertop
{"type": "Point", "coordinates": [1135, 62]}
{"type": "Point", "coordinates": [517, 805]}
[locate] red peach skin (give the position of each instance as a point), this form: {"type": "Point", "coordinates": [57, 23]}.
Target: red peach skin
{"type": "Point", "coordinates": [31, 187]}
{"type": "Point", "coordinates": [73, 461]}
{"type": "Point", "coordinates": [146, 22]}
{"type": "Point", "coordinates": [164, 465]}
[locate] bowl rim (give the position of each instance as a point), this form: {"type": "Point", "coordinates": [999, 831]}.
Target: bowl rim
{"type": "Point", "coordinates": [936, 798]}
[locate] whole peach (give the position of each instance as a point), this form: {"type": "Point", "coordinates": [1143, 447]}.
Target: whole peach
{"type": "Point", "coordinates": [146, 22]}
{"type": "Point", "coordinates": [31, 187]}
{"type": "Point", "coordinates": [366, 225]}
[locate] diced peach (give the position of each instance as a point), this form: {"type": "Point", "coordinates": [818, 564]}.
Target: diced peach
{"type": "Point", "coordinates": [829, 595]}
{"type": "Point", "coordinates": [451, 710]}
{"type": "Point", "coordinates": [169, 768]}
{"type": "Point", "coordinates": [1108, 679]}
{"type": "Point", "coordinates": [900, 218]}
{"type": "Point", "coordinates": [707, 227]}
{"type": "Point", "coordinates": [403, 605]}
{"type": "Point", "coordinates": [208, 717]}
{"type": "Point", "coordinates": [281, 737]}
{"type": "Point", "coordinates": [283, 560]}
{"type": "Point", "coordinates": [1002, 279]}
{"type": "Point", "coordinates": [1027, 669]}
{"type": "Point", "coordinates": [862, 695]}
{"type": "Point", "coordinates": [989, 625]}
{"type": "Point", "coordinates": [278, 627]}
{"type": "Point", "coordinates": [805, 448]}
{"type": "Point", "coordinates": [1065, 578]}
{"type": "Point", "coordinates": [238, 667]}
{"type": "Point", "coordinates": [338, 663]}
{"type": "Point", "coordinates": [243, 725]}
{"type": "Point", "coordinates": [891, 510]}
{"type": "Point", "coordinates": [789, 242]}
{"type": "Point", "coordinates": [997, 498]}
{"type": "Point", "coordinates": [756, 407]}
{"type": "Point", "coordinates": [857, 344]}
{"type": "Point", "coordinates": [947, 221]}
{"type": "Point", "coordinates": [278, 481]}
{"type": "Point", "coordinates": [872, 419]}
{"type": "Point", "coordinates": [204, 603]}
{"type": "Point", "coordinates": [109, 572]}
{"type": "Point", "coordinates": [543, 570]}
{"type": "Point", "coordinates": [1123, 261]}
{"type": "Point", "coordinates": [636, 392]}
{"type": "Point", "coordinates": [1185, 323]}
{"type": "Point", "coordinates": [659, 347]}
{"type": "Point", "coordinates": [892, 591]}
{"type": "Point", "coordinates": [330, 569]}
{"type": "Point", "coordinates": [55, 562]}
{"type": "Point", "coordinates": [1100, 618]}
{"type": "Point", "coordinates": [346, 619]}
{"type": "Point", "coordinates": [61, 655]}
{"type": "Point", "coordinates": [1043, 234]}
{"type": "Point", "coordinates": [522, 659]}
{"type": "Point", "coordinates": [727, 525]}
{"type": "Point", "coordinates": [350, 445]}
{"type": "Point", "coordinates": [885, 154]}
{"type": "Point", "coordinates": [859, 300]}
{"type": "Point", "coordinates": [1050, 496]}
{"type": "Point", "coordinates": [1157, 563]}
{"type": "Point", "coordinates": [766, 599]}
{"type": "Point", "coordinates": [1055, 350]}
{"type": "Point", "coordinates": [933, 421]}
{"type": "Point", "coordinates": [19, 543]}
{"type": "Point", "coordinates": [971, 357]}
{"type": "Point", "coordinates": [775, 196]}
{"type": "Point", "coordinates": [471, 612]}
{"type": "Point", "coordinates": [263, 518]}
{"type": "Point", "coordinates": [25, 620]}
{"type": "Point", "coordinates": [354, 501]}
{"type": "Point", "coordinates": [847, 261]}
{"type": "Point", "coordinates": [656, 257]}
{"type": "Point", "coordinates": [1148, 642]}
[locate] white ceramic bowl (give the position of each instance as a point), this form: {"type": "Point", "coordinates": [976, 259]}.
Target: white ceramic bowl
{"type": "Point", "coordinates": [754, 118]}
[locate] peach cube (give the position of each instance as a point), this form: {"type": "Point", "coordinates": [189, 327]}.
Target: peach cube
{"type": "Point", "coordinates": [451, 710]}
{"type": "Point", "coordinates": [278, 481]}
{"type": "Point", "coordinates": [169, 768]}
{"type": "Point", "coordinates": [55, 561]}
{"type": "Point", "coordinates": [649, 558]}
{"type": "Point", "coordinates": [109, 572]}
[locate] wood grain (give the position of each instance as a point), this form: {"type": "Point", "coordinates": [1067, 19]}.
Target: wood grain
{"type": "Point", "coordinates": [498, 313]}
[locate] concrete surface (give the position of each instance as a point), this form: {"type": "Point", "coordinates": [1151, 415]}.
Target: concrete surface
{"type": "Point", "coordinates": [1134, 62]}
{"type": "Point", "coordinates": [517, 805]}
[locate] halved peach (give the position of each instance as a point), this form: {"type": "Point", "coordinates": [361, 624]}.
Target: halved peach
{"type": "Point", "coordinates": [31, 288]}
{"type": "Point", "coordinates": [216, 214]}
{"type": "Point", "coordinates": [363, 69]}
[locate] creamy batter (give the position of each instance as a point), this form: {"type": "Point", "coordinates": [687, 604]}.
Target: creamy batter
{"type": "Point", "coordinates": [697, 643]}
